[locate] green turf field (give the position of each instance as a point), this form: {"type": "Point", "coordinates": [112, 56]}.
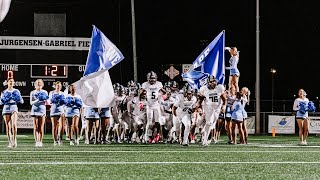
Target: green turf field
{"type": "Point", "coordinates": [264, 157]}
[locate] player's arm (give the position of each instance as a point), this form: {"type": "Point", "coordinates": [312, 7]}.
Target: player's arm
{"type": "Point", "coordinates": [224, 102]}
{"type": "Point", "coordinates": [200, 98]}
{"type": "Point", "coordinates": [174, 110]}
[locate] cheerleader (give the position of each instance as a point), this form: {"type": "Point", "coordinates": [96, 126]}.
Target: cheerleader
{"type": "Point", "coordinates": [73, 104]}
{"type": "Point", "coordinates": [231, 97]}
{"type": "Point", "coordinates": [234, 71]}
{"type": "Point", "coordinates": [93, 124]}
{"type": "Point", "coordinates": [301, 106]}
{"type": "Point", "coordinates": [9, 99]}
{"type": "Point", "coordinates": [237, 117]}
{"type": "Point", "coordinates": [57, 100]}
{"type": "Point", "coordinates": [38, 101]}
{"type": "Point", "coordinates": [105, 121]}
{"type": "Point", "coordinates": [245, 92]}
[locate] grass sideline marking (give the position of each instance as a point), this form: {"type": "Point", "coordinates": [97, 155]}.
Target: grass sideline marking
{"type": "Point", "coordinates": [150, 151]}
{"type": "Point", "coordinates": [170, 162]}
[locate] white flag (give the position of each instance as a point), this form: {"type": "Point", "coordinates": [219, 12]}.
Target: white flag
{"type": "Point", "coordinates": [96, 89]}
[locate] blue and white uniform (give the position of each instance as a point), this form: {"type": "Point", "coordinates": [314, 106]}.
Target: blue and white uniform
{"type": "Point", "coordinates": [230, 101]}
{"type": "Point", "coordinates": [233, 62]}
{"type": "Point", "coordinates": [38, 101]}
{"type": "Point", "coordinates": [301, 114]}
{"type": "Point", "coordinates": [92, 113]}
{"type": "Point", "coordinates": [73, 105]}
{"type": "Point", "coordinates": [9, 100]}
{"type": "Point", "coordinates": [244, 102]}
{"type": "Point", "coordinates": [105, 112]}
{"type": "Point", "coordinates": [57, 100]}
{"type": "Point", "coordinates": [237, 111]}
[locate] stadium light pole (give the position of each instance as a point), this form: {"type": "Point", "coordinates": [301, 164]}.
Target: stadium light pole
{"type": "Point", "coordinates": [273, 72]}
{"type": "Point", "coordinates": [257, 87]}
{"type": "Point", "coordinates": [135, 68]}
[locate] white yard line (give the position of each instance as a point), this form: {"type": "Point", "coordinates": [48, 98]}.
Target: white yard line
{"type": "Point", "coordinates": [150, 151]}
{"type": "Point", "coordinates": [170, 162]}
{"type": "Point", "coordinates": [5, 136]}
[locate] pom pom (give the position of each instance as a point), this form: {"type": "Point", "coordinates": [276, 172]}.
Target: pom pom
{"type": "Point", "coordinates": [58, 99]}
{"type": "Point", "coordinates": [303, 107]}
{"type": "Point", "coordinates": [311, 107]}
{"type": "Point", "coordinates": [78, 102]}
{"type": "Point", "coordinates": [164, 97]}
{"type": "Point", "coordinates": [16, 96]}
{"type": "Point", "coordinates": [41, 96]}
{"type": "Point", "coordinates": [69, 101]}
{"type": "Point", "coordinates": [62, 100]}
{"type": "Point", "coordinates": [6, 97]}
{"type": "Point", "coordinates": [54, 99]}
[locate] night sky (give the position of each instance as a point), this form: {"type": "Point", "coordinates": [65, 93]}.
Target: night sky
{"type": "Point", "coordinates": [175, 32]}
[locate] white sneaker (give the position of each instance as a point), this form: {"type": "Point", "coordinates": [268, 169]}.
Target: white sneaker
{"type": "Point", "coordinates": [59, 143]}
{"type": "Point", "coordinates": [40, 144]}
{"type": "Point", "coordinates": [67, 138]}
{"type": "Point", "coordinates": [209, 141]}
{"type": "Point", "coordinates": [55, 143]}
{"type": "Point", "coordinates": [192, 142]}
{"type": "Point", "coordinates": [10, 145]}
{"type": "Point", "coordinates": [86, 142]}
{"type": "Point", "coordinates": [71, 143]}
{"type": "Point", "coordinates": [77, 142]}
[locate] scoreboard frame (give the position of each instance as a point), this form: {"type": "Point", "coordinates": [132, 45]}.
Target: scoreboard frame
{"type": "Point", "coordinates": [26, 74]}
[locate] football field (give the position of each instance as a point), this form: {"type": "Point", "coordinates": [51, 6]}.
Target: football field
{"type": "Point", "coordinates": [264, 157]}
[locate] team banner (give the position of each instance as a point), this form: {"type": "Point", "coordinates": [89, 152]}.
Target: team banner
{"type": "Point", "coordinates": [282, 124]}
{"type": "Point", "coordinates": [25, 121]}
{"type": "Point", "coordinates": [45, 43]}
{"type": "Point", "coordinates": [314, 125]}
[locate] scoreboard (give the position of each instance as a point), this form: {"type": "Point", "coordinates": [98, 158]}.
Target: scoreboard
{"type": "Point", "coordinates": [26, 74]}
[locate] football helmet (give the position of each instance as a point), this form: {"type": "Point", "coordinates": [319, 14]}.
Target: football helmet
{"type": "Point", "coordinates": [152, 77]}
{"type": "Point", "coordinates": [212, 82]}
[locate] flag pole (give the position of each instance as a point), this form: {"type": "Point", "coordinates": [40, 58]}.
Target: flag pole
{"type": "Point", "coordinates": [135, 69]}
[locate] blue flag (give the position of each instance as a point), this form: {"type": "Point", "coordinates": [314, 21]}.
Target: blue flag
{"type": "Point", "coordinates": [196, 79]}
{"type": "Point", "coordinates": [209, 62]}
{"type": "Point", "coordinates": [103, 54]}
{"type": "Point", "coordinates": [95, 87]}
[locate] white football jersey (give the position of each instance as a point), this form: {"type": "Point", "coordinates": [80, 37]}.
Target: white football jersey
{"type": "Point", "coordinates": [184, 105]}
{"type": "Point", "coordinates": [212, 96]}
{"type": "Point", "coordinates": [153, 93]}
{"type": "Point", "coordinates": [139, 107]}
